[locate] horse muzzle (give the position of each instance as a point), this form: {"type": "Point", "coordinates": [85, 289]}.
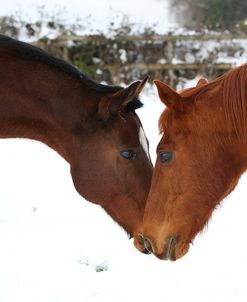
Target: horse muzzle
{"type": "Point", "coordinates": [172, 250]}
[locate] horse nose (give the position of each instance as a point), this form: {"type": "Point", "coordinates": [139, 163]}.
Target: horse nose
{"type": "Point", "coordinates": [147, 244]}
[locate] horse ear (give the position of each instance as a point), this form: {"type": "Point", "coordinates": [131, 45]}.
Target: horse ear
{"type": "Point", "coordinates": [201, 82]}
{"type": "Point", "coordinates": [168, 96]}
{"type": "Point", "coordinates": [118, 101]}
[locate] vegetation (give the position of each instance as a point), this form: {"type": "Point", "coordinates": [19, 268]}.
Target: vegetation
{"type": "Point", "coordinates": [212, 14]}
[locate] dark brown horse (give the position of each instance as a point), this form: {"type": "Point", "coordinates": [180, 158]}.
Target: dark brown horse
{"type": "Point", "coordinates": [200, 158]}
{"type": "Point", "coordinates": [93, 126]}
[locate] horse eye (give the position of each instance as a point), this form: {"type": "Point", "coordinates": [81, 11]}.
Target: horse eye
{"type": "Point", "coordinates": [128, 154]}
{"type": "Point", "coordinates": [165, 156]}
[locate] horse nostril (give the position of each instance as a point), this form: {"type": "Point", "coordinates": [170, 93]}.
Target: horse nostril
{"type": "Point", "coordinates": [171, 242]}
{"type": "Point", "coordinates": [141, 239]}
{"type": "Point", "coordinates": [147, 244]}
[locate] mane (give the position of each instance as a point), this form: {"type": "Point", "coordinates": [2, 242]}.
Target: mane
{"type": "Point", "coordinates": [164, 120]}
{"type": "Point", "coordinates": [37, 54]}
{"type": "Point", "coordinates": [234, 87]}
{"type": "Point", "coordinates": [235, 100]}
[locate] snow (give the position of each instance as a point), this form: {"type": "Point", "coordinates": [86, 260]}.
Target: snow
{"type": "Point", "coordinates": [58, 247]}
{"type": "Point", "coordinates": [53, 242]}
{"type": "Point", "coordinates": [123, 56]}
{"type": "Point", "coordinates": [96, 15]}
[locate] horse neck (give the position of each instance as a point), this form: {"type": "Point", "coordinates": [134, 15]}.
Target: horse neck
{"type": "Point", "coordinates": [48, 106]}
{"type": "Point", "coordinates": [239, 151]}
{"type": "Point", "coordinates": [234, 104]}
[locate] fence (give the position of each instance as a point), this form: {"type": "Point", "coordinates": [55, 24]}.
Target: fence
{"type": "Point", "coordinates": [150, 54]}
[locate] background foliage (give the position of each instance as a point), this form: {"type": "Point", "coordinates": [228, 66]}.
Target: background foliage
{"type": "Point", "coordinates": [213, 14]}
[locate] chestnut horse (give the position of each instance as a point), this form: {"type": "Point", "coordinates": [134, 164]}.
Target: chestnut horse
{"type": "Point", "coordinates": [200, 158]}
{"type": "Point", "coordinates": [93, 127]}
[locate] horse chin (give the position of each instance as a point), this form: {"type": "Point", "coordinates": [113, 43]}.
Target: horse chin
{"type": "Point", "coordinates": [130, 235]}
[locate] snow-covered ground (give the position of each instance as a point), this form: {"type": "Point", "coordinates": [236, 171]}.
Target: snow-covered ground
{"type": "Point", "coordinates": [57, 247]}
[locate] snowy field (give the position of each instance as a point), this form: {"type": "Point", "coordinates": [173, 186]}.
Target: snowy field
{"type": "Point", "coordinates": [57, 247]}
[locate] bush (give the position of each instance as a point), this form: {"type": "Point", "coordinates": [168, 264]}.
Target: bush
{"type": "Point", "coordinates": [213, 14]}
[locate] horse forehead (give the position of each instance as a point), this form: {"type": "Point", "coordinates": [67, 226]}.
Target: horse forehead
{"type": "Point", "coordinates": [133, 133]}
{"type": "Point", "coordinates": [127, 129]}
{"type": "Point", "coordinates": [175, 122]}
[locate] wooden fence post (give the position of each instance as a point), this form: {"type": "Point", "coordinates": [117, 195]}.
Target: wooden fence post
{"type": "Point", "coordinates": [170, 71]}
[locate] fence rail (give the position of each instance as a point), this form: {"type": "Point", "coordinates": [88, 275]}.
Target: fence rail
{"type": "Point", "coordinates": [158, 38]}
{"type": "Point", "coordinates": [64, 42]}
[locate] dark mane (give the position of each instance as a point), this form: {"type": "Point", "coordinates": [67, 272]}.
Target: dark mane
{"type": "Point", "coordinates": [40, 55]}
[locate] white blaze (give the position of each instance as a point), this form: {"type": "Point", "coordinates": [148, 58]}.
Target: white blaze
{"type": "Point", "coordinates": [143, 141]}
